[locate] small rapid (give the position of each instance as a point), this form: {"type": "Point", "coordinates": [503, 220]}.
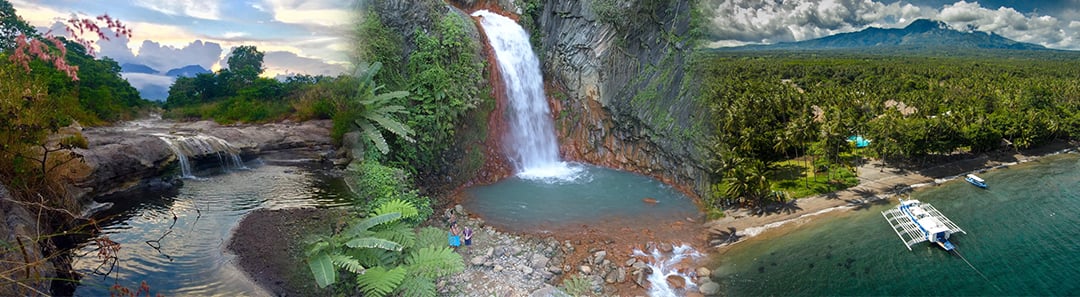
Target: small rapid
{"type": "Point", "coordinates": [187, 147]}
{"type": "Point", "coordinates": [664, 267]}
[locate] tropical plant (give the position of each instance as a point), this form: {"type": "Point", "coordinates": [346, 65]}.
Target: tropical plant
{"type": "Point", "coordinates": [381, 250]}
{"type": "Point", "coordinates": [577, 285]}
{"type": "Point", "coordinates": [373, 111]}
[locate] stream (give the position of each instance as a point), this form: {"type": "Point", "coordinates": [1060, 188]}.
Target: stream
{"type": "Point", "coordinates": [176, 241]}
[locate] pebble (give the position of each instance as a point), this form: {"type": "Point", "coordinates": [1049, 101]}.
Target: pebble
{"type": "Point", "coordinates": [585, 269]}
{"type": "Point", "coordinates": [599, 256]}
{"type": "Point", "coordinates": [703, 272]}
{"type": "Point", "coordinates": [498, 268]}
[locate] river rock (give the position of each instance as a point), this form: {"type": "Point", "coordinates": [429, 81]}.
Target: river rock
{"type": "Point", "coordinates": [676, 282]}
{"type": "Point", "coordinates": [703, 272]}
{"type": "Point", "coordinates": [666, 247]}
{"type": "Point", "coordinates": [585, 269]}
{"type": "Point", "coordinates": [478, 260]}
{"type": "Point", "coordinates": [539, 261]}
{"type": "Point", "coordinates": [599, 256]}
{"type": "Point", "coordinates": [630, 262]}
{"type": "Point", "coordinates": [709, 288]}
{"type": "Point", "coordinates": [498, 268]}
{"type": "Point", "coordinates": [525, 269]}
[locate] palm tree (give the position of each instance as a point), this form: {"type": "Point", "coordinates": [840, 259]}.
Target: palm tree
{"type": "Point", "coordinates": [372, 111]}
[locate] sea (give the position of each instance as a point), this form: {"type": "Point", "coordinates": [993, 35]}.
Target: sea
{"type": "Point", "coordinates": [1022, 239]}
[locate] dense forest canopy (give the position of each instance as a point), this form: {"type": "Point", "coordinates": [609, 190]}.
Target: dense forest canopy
{"type": "Point", "coordinates": [773, 106]}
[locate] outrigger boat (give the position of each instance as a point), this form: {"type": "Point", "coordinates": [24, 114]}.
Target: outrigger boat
{"type": "Point", "coordinates": [917, 222]}
{"type": "Point", "coordinates": [975, 180]}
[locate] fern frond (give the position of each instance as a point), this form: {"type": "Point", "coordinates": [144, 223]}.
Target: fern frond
{"type": "Point", "coordinates": [418, 286]}
{"type": "Point", "coordinates": [430, 237]}
{"type": "Point", "coordinates": [405, 208]}
{"type": "Point", "coordinates": [378, 281]}
{"type": "Point", "coordinates": [390, 95]}
{"type": "Point", "coordinates": [434, 262]}
{"type": "Point", "coordinates": [373, 243]}
{"type": "Point", "coordinates": [350, 264]}
{"type": "Point", "coordinates": [361, 227]}
{"type": "Point", "coordinates": [399, 233]}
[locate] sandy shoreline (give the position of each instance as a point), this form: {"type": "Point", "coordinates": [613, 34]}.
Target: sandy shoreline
{"type": "Point", "coordinates": [877, 184]}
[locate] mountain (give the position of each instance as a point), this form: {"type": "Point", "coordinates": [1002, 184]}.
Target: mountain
{"type": "Point", "coordinates": [920, 34]}
{"type": "Point", "coordinates": [187, 71]}
{"type": "Point", "coordinates": [137, 68]}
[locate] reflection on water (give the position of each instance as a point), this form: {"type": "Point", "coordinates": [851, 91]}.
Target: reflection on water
{"type": "Point", "coordinates": [176, 241]}
{"type": "Point", "coordinates": [597, 196]}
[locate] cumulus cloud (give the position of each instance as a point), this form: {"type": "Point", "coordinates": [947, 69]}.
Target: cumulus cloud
{"type": "Point", "coordinates": [165, 57]}
{"type": "Point", "coordinates": [279, 62]}
{"type": "Point", "coordinates": [737, 22]}
{"type": "Point", "coordinates": [209, 10]}
{"type": "Point", "coordinates": [327, 13]}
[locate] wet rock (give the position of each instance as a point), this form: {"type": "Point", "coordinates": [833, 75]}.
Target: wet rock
{"type": "Point", "coordinates": [703, 272]}
{"type": "Point", "coordinates": [676, 282]}
{"type": "Point", "coordinates": [666, 247]}
{"type": "Point", "coordinates": [709, 288]}
{"type": "Point", "coordinates": [694, 294]}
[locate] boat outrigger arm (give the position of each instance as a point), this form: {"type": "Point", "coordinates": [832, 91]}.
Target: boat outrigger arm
{"type": "Point", "coordinates": [916, 222]}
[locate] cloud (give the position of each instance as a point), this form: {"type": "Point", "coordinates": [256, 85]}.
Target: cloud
{"type": "Point", "coordinates": [165, 57]}
{"type": "Point", "coordinates": [208, 10]}
{"type": "Point", "coordinates": [326, 13]}
{"type": "Point", "coordinates": [736, 22]}
{"type": "Point", "coordinates": [279, 62]}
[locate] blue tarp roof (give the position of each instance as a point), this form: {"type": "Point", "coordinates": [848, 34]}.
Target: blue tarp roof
{"type": "Point", "coordinates": [859, 141]}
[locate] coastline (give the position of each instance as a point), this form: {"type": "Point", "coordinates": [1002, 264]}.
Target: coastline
{"type": "Point", "coordinates": [878, 183]}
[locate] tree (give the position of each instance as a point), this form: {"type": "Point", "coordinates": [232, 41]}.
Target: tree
{"type": "Point", "coordinates": [12, 26]}
{"type": "Point", "coordinates": [246, 62]}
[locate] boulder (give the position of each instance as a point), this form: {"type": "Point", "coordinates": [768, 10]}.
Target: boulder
{"type": "Point", "coordinates": [703, 272]}
{"type": "Point", "coordinates": [709, 288]}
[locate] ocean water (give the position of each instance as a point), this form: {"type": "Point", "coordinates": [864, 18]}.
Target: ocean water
{"type": "Point", "coordinates": [1023, 236]}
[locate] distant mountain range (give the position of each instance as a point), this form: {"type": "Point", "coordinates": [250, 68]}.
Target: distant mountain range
{"type": "Point", "coordinates": [187, 71]}
{"type": "Point", "coordinates": [137, 68]}
{"type": "Point", "coordinates": [920, 34]}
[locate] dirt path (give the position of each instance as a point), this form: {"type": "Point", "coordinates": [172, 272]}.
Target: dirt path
{"type": "Point", "coordinates": [877, 183]}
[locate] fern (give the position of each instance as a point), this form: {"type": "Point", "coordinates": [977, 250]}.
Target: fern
{"type": "Point", "coordinates": [361, 227]}
{"type": "Point", "coordinates": [373, 243]}
{"type": "Point", "coordinates": [398, 233]}
{"type": "Point", "coordinates": [430, 237]}
{"type": "Point", "coordinates": [418, 286]}
{"type": "Point", "coordinates": [577, 285]}
{"type": "Point", "coordinates": [378, 281]}
{"type": "Point", "coordinates": [434, 262]}
{"type": "Point", "coordinates": [405, 208]}
{"type": "Point", "coordinates": [350, 264]}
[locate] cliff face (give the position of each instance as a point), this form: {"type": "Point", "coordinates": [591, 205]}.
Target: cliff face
{"type": "Point", "coordinates": [626, 99]}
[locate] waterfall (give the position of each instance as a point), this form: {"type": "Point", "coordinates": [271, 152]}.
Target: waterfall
{"type": "Point", "coordinates": [188, 147]}
{"type": "Point", "coordinates": [663, 266]}
{"type": "Point", "coordinates": [532, 146]}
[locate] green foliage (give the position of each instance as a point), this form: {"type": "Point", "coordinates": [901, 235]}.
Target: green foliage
{"type": "Point", "coordinates": [577, 285]}
{"type": "Point", "coordinates": [378, 281]}
{"type": "Point", "coordinates": [378, 184]}
{"type": "Point", "coordinates": [430, 237]}
{"type": "Point", "coordinates": [381, 250]}
{"type": "Point", "coordinates": [373, 111]}
{"type": "Point", "coordinates": [778, 106]}
{"type": "Point", "coordinates": [246, 62]}
{"type": "Point", "coordinates": [434, 262]}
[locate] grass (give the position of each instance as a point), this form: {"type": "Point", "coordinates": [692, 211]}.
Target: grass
{"type": "Point", "coordinates": [798, 180]}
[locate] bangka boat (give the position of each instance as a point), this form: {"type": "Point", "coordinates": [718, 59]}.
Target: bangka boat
{"type": "Point", "coordinates": [917, 222]}
{"type": "Point", "coordinates": [975, 180]}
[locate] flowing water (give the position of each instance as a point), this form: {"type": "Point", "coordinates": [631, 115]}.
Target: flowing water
{"type": "Point", "coordinates": [534, 150]}
{"type": "Point", "coordinates": [176, 241]}
{"type": "Point", "coordinates": [1021, 234]}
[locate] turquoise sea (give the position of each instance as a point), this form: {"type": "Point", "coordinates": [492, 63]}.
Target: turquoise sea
{"type": "Point", "coordinates": [1023, 235]}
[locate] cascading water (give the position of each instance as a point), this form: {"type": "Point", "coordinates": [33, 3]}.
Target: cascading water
{"type": "Point", "coordinates": [187, 146]}
{"type": "Point", "coordinates": [533, 148]}
{"type": "Point", "coordinates": [663, 267]}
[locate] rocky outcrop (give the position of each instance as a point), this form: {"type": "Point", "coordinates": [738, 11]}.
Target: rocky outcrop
{"type": "Point", "coordinates": [135, 155]}
{"type": "Point", "coordinates": [628, 102]}
{"type": "Point", "coordinates": [23, 268]}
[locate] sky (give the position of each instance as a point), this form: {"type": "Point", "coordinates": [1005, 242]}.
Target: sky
{"type": "Point", "coordinates": [296, 36]}
{"type": "Point", "coordinates": [1054, 23]}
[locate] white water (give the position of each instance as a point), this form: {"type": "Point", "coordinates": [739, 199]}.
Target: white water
{"type": "Point", "coordinates": [187, 146]}
{"type": "Point", "coordinates": [532, 146]}
{"type": "Point", "coordinates": [663, 265]}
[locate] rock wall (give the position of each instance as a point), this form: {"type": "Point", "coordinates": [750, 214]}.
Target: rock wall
{"type": "Point", "coordinates": [21, 255]}
{"type": "Point", "coordinates": [620, 90]}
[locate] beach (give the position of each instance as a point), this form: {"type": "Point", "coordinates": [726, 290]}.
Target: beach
{"type": "Point", "coordinates": [878, 183]}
